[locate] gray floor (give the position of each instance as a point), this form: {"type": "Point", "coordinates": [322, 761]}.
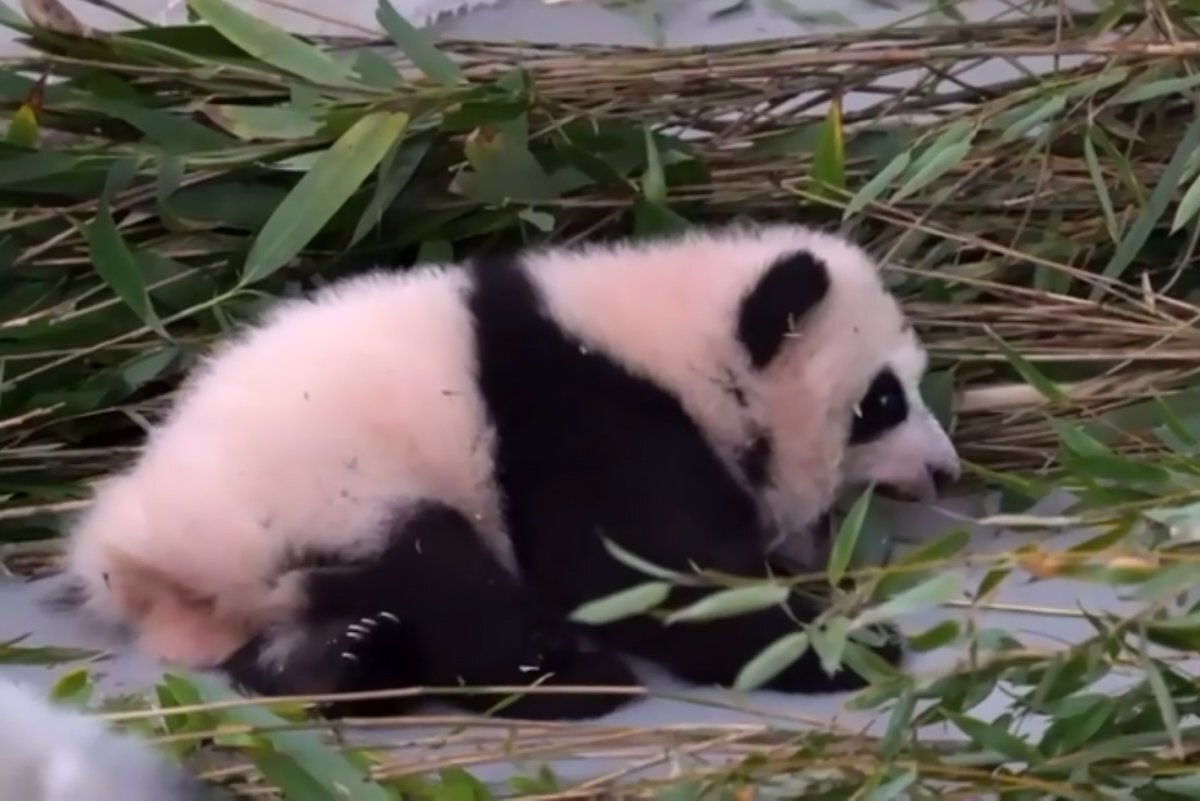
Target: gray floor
{"type": "Point", "coordinates": [1050, 617]}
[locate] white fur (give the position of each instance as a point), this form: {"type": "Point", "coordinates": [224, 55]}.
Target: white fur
{"type": "Point", "coordinates": [315, 426]}
{"type": "Point", "coordinates": [49, 753]}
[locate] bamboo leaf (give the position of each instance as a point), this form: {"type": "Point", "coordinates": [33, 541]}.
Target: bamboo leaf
{"type": "Point", "coordinates": [641, 565]}
{"type": "Point", "coordinates": [298, 757]}
{"type": "Point", "coordinates": [271, 45]}
{"type": "Point", "coordinates": [654, 182]}
{"type": "Point", "coordinates": [1046, 110]}
{"type": "Point", "coordinates": [944, 161]}
{"type": "Point", "coordinates": [995, 738]}
{"type": "Point", "coordinates": [23, 129]}
{"type": "Point", "coordinates": [899, 723]}
{"type": "Point", "coordinates": [935, 637]}
{"type": "Point", "coordinates": [874, 188]}
{"type": "Point", "coordinates": [334, 177]}
{"type": "Point", "coordinates": [1155, 206]}
{"type": "Point", "coordinates": [898, 779]}
{"type": "Point", "coordinates": [771, 661]}
{"type": "Point", "coordinates": [829, 641]}
{"type": "Point", "coordinates": [417, 46]}
{"type": "Point", "coordinates": [847, 537]}
{"type": "Point", "coordinates": [1032, 376]}
{"type": "Point", "coordinates": [829, 158]}
{"type": "Point", "coordinates": [1162, 697]}
{"type": "Point", "coordinates": [623, 604]}
{"type": "Point", "coordinates": [731, 603]}
{"type": "Point", "coordinates": [114, 262]}
{"type": "Point", "coordinates": [1140, 93]}
{"type": "Point", "coordinates": [1188, 206]}
{"type": "Point", "coordinates": [937, 590]}
{"type": "Point", "coordinates": [1093, 165]}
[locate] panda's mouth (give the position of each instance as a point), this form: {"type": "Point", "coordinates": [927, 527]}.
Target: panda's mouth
{"type": "Point", "coordinates": [822, 529]}
{"type": "Point", "coordinates": [895, 492]}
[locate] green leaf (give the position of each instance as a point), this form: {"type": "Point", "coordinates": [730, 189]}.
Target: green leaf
{"type": "Point", "coordinates": [307, 756]}
{"type": "Point", "coordinates": [874, 187]}
{"type": "Point", "coordinates": [937, 590]}
{"type": "Point", "coordinates": [934, 637]}
{"type": "Point", "coordinates": [623, 604]}
{"type": "Point", "coordinates": [1030, 374]}
{"type": "Point", "coordinates": [829, 158]}
{"type": "Point", "coordinates": [503, 169]}
{"type": "Point", "coordinates": [654, 182]}
{"type": "Point", "coordinates": [641, 565]}
{"type": "Point", "coordinates": [1188, 206]}
{"type": "Point", "coordinates": [284, 772]}
{"type": "Point", "coordinates": [732, 602]}
{"type": "Point", "coordinates": [321, 192]}
{"type": "Point", "coordinates": [417, 46]}
{"type": "Point", "coordinates": [376, 70]}
{"type": "Point", "coordinates": [942, 163]}
{"type": "Point", "coordinates": [1045, 111]}
{"type": "Point", "coordinates": [829, 641]}
{"type": "Point", "coordinates": [897, 781]}
{"type": "Point", "coordinates": [1102, 193]}
{"type": "Point", "coordinates": [1155, 206]}
{"type": "Point", "coordinates": [13, 654]}
{"type": "Point", "coordinates": [653, 219]}
{"type": "Point", "coordinates": [771, 661]}
{"type": "Point", "coordinates": [899, 723]}
{"type": "Point", "coordinates": [1147, 91]}
{"type": "Point", "coordinates": [1187, 785]}
{"type": "Point", "coordinates": [114, 262]}
{"type": "Point", "coordinates": [23, 128]}
{"type": "Point", "coordinates": [993, 737]}
{"type": "Point", "coordinates": [264, 122]}
{"type": "Point", "coordinates": [847, 537]}
{"type": "Point", "coordinates": [73, 687]}
{"type": "Point", "coordinates": [272, 45]}
{"type": "Point", "coordinates": [396, 170]}
{"type": "Point", "coordinates": [1162, 696]}
{"type": "Point", "coordinates": [991, 581]}
{"type": "Point", "coordinates": [938, 550]}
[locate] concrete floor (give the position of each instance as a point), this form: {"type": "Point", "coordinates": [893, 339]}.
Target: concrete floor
{"type": "Point", "coordinates": [689, 23]}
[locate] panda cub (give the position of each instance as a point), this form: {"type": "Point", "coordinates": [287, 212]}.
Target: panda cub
{"type": "Point", "coordinates": [50, 753]}
{"type": "Point", "coordinates": [408, 477]}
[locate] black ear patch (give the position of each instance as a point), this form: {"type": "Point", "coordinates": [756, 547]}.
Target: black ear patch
{"type": "Point", "coordinates": [791, 287]}
{"type": "Point", "coordinates": [881, 409]}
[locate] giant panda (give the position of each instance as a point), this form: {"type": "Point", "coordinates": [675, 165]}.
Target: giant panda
{"type": "Point", "coordinates": [50, 752]}
{"type": "Point", "coordinates": [408, 477]}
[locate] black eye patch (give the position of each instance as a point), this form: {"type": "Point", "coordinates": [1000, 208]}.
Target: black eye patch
{"type": "Point", "coordinates": [881, 409]}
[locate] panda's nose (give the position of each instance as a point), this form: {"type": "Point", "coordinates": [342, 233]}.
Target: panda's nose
{"type": "Point", "coordinates": [943, 475]}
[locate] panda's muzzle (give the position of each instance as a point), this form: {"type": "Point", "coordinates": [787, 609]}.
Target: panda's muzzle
{"type": "Point", "coordinates": [916, 462]}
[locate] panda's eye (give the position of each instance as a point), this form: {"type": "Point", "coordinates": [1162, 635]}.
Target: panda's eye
{"type": "Point", "coordinates": [882, 408]}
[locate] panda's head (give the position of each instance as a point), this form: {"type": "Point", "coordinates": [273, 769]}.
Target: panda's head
{"type": "Point", "coordinates": [837, 368]}
{"type": "Point", "coordinates": [893, 439]}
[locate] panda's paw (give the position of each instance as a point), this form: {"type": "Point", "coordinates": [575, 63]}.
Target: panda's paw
{"type": "Point", "coordinates": [368, 654]}
{"type": "Point", "coordinates": [370, 640]}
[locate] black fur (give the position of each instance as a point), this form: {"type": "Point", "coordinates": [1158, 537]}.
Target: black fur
{"type": "Point", "coordinates": [792, 287]}
{"type": "Point", "coordinates": [882, 408]}
{"type": "Point", "coordinates": [434, 609]}
{"type": "Point", "coordinates": [585, 451]}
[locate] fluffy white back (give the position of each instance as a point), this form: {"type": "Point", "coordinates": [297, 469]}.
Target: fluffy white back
{"type": "Point", "coordinates": [48, 753]}
{"type": "Point", "coordinates": [305, 431]}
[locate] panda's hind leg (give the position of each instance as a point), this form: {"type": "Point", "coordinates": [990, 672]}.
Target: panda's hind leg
{"type": "Point", "coordinates": [437, 609]}
{"type": "Point", "coordinates": [476, 624]}
{"type": "Point", "coordinates": [334, 655]}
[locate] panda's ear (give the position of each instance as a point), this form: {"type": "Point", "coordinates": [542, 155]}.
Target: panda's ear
{"type": "Point", "coordinates": [791, 287]}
